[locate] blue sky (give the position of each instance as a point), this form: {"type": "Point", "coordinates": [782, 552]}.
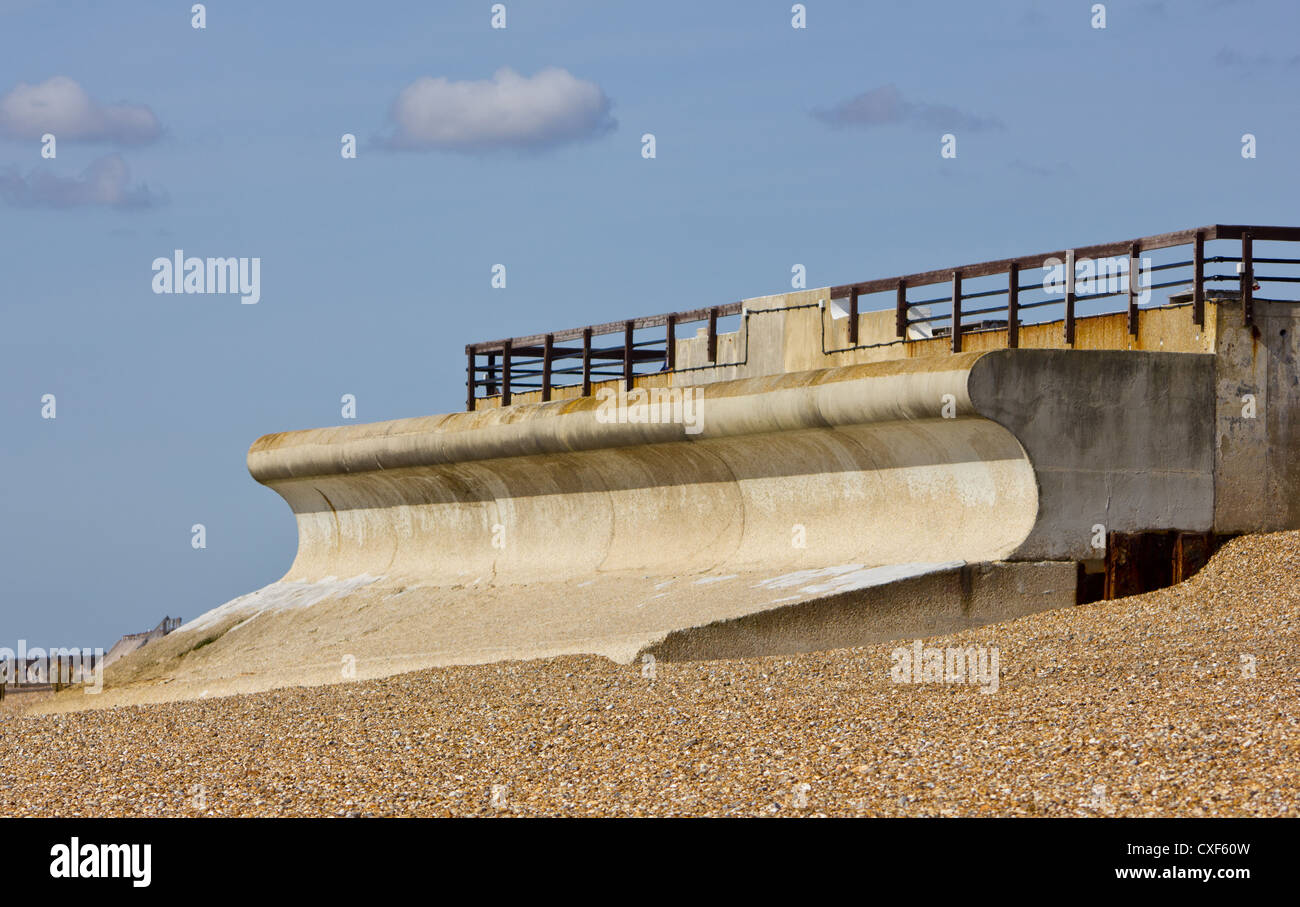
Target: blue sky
{"type": "Point", "coordinates": [376, 271]}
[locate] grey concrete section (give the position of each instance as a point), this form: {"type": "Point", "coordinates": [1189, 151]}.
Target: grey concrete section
{"type": "Point", "coordinates": [1257, 426]}
{"type": "Point", "coordinates": [1280, 331]}
{"type": "Point", "coordinates": [1120, 440]}
{"type": "Point", "coordinates": [930, 605]}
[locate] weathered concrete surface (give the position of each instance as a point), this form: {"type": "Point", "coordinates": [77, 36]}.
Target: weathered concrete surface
{"type": "Point", "coordinates": [816, 508]}
{"type": "Point", "coordinates": [292, 633]}
{"type": "Point", "coordinates": [861, 457]}
{"type": "Point", "coordinates": [1118, 440]}
{"type": "Point", "coordinates": [539, 529]}
{"type": "Point", "coordinates": [1257, 418]}
{"type": "Point", "coordinates": [859, 460]}
{"type": "Point", "coordinates": [944, 601]}
{"type": "Point", "coordinates": [798, 332]}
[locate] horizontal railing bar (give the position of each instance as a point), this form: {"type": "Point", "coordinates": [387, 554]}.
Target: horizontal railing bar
{"type": "Point", "coordinates": [1084, 297]}
{"type": "Point", "coordinates": [612, 327]}
{"type": "Point", "coordinates": [1041, 303]}
{"type": "Point", "coordinates": [531, 353]}
{"type": "Point", "coordinates": [967, 313]}
{"type": "Point", "coordinates": [1000, 291]}
{"type": "Point", "coordinates": [1033, 262]}
{"type": "Point", "coordinates": [1257, 233]}
{"type": "Point", "coordinates": [612, 353]}
{"type": "Point", "coordinates": [943, 317]}
{"type": "Point", "coordinates": [1087, 296]}
{"type": "Point", "coordinates": [534, 372]}
{"type": "Point", "coordinates": [1168, 283]}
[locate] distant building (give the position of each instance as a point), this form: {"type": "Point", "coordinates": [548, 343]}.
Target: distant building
{"type": "Point", "coordinates": [132, 641]}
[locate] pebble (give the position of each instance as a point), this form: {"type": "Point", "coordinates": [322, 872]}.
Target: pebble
{"type": "Point", "coordinates": [1179, 702]}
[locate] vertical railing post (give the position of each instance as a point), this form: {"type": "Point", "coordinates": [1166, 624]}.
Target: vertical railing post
{"type": "Point", "coordinates": [469, 383]}
{"type": "Point", "coordinates": [1069, 298]}
{"type": "Point", "coordinates": [670, 348]}
{"type": "Point", "coordinates": [853, 317]}
{"type": "Point", "coordinates": [1247, 278]}
{"type": "Point", "coordinates": [547, 347]}
{"type": "Point", "coordinates": [713, 334]}
{"type": "Point", "coordinates": [1198, 279]}
{"type": "Point", "coordinates": [586, 362]}
{"type": "Point", "coordinates": [1134, 280]}
{"type": "Point", "coordinates": [956, 311]}
{"type": "Point", "coordinates": [628, 347]}
{"type": "Point", "coordinates": [1013, 306]}
{"type": "Point", "coordinates": [900, 310]}
{"type": "Point", "coordinates": [505, 373]}
{"type": "Point", "coordinates": [492, 375]}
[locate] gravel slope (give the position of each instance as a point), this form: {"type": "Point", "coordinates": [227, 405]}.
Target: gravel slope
{"type": "Point", "coordinates": [1179, 702]}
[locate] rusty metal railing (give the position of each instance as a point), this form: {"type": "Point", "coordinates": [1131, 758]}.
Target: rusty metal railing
{"type": "Point", "coordinates": [502, 367]}
{"type": "Point", "coordinates": [528, 363]}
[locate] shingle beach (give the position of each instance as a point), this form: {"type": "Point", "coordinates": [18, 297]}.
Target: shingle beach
{"type": "Point", "coordinates": [1181, 702]}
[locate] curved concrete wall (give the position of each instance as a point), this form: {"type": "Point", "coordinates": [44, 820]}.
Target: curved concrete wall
{"type": "Point", "coordinates": [862, 458]}
{"type": "Point", "coordinates": [979, 456]}
{"type": "Point", "coordinates": [919, 488]}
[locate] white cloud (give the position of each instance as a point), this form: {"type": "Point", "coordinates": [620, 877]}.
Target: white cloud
{"type": "Point", "coordinates": [886, 106]}
{"type": "Point", "coordinates": [107, 182]}
{"type": "Point", "coordinates": [506, 111]}
{"type": "Point", "coordinates": [60, 106]}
